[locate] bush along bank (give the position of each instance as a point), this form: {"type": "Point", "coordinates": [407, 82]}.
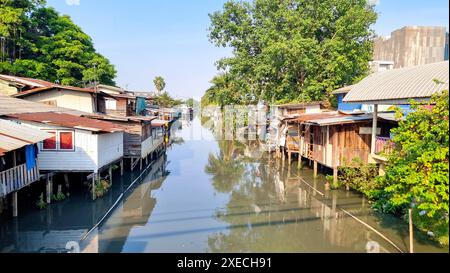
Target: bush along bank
{"type": "Point", "coordinates": [417, 172]}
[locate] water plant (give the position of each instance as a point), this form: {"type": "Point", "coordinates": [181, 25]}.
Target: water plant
{"type": "Point", "coordinates": [41, 203]}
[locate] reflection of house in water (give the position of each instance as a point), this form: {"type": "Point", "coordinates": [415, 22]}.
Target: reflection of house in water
{"type": "Point", "coordinates": [134, 211]}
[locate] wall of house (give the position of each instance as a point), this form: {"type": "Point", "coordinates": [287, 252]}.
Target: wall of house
{"type": "Point", "coordinates": [343, 106]}
{"type": "Point", "coordinates": [6, 89]}
{"type": "Point", "coordinates": [120, 108]}
{"type": "Point", "coordinates": [83, 158]}
{"type": "Point", "coordinates": [80, 101]}
{"type": "Point", "coordinates": [110, 147]}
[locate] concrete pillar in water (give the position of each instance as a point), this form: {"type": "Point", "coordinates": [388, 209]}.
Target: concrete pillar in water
{"type": "Point", "coordinates": [121, 167]}
{"type": "Point", "coordinates": [299, 163]}
{"type": "Point", "coordinates": [315, 169]}
{"type": "Point", "coordinates": [140, 164]}
{"type": "Point", "coordinates": [15, 204]}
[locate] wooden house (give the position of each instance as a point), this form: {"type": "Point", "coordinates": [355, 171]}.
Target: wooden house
{"type": "Point", "coordinates": [143, 136]}
{"type": "Point", "coordinates": [18, 158]}
{"type": "Point", "coordinates": [77, 144]}
{"type": "Point", "coordinates": [295, 109]}
{"type": "Point", "coordinates": [333, 139]}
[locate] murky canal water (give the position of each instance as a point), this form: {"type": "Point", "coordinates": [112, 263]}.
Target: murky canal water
{"type": "Point", "coordinates": [213, 196]}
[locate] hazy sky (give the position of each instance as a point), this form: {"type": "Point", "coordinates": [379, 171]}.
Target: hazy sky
{"type": "Point", "coordinates": [147, 38]}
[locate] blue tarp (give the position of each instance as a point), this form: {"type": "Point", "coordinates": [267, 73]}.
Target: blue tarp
{"type": "Point", "coordinates": [30, 156]}
{"type": "Point", "coordinates": [140, 105]}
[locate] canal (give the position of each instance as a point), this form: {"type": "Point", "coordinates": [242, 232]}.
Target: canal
{"type": "Point", "coordinates": [206, 195]}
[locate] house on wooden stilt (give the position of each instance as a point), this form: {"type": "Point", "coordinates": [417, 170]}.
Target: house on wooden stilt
{"type": "Point", "coordinates": [76, 145]}
{"type": "Point", "coordinates": [18, 160]}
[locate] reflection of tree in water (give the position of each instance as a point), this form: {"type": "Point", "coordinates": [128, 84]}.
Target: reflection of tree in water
{"type": "Point", "coordinates": [224, 167]}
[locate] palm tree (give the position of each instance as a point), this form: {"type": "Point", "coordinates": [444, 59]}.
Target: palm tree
{"type": "Point", "coordinates": [160, 84]}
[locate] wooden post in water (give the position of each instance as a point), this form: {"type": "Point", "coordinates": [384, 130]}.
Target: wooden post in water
{"type": "Point", "coordinates": [94, 178]}
{"type": "Point", "coordinates": [140, 164]}
{"type": "Point", "coordinates": [15, 204]}
{"type": "Point", "coordinates": [315, 168]}
{"type": "Point", "coordinates": [49, 189]}
{"type": "Point", "coordinates": [110, 174]}
{"type": "Point", "coordinates": [411, 233]}
{"type": "Point", "coordinates": [121, 167]}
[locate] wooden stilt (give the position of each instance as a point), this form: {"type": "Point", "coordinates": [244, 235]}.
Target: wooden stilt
{"type": "Point", "coordinates": [49, 189]}
{"type": "Point", "coordinates": [335, 175]}
{"type": "Point", "coordinates": [315, 168]}
{"type": "Point", "coordinates": [140, 164]}
{"type": "Point", "coordinates": [289, 157]}
{"type": "Point", "coordinates": [121, 167]}
{"type": "Point", "coordinates": [299, 163]}
{"type": "Point", "coordinates": [15, 204]}
{"type": "Point", "coordinates": [110, 174]}
{"type": "Point", "coordinates": [94, 178]}
{"type": "Point", "coordinates": [146, 160]}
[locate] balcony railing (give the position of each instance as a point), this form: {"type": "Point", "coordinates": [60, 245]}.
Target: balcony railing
{"type": "Point", "coordinates": [383, 145]}
{"type": "Point", "coordinates": [16, 178]}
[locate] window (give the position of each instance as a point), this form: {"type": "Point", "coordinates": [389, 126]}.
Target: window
{"type": "Point", "coordinates": [61, 141]}
{"type": "Point", "coordinates": [50, 143]}
{"type": "Point", "coordinates": [111, 105]}
{"type": "Point", "coordinates": [66, 140]}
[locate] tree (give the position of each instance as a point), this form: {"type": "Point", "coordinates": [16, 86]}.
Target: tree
{"type": "Point", "coordinates": [418, 170]}
{"type": "Point", "coordinates": [160, 84]}
{"type": "Point", "coordinates": [165, 100]}
{"type": "Point", "coordinates": [40, 43]}
{"type": "Point", "coordinates": [293, 50]}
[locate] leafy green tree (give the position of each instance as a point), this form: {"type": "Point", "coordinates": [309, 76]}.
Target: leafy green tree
{"type": "Point", "coordinates": [291, 50]}
{"type": "Point", "coordinates": [418, 169]}
{"type": "Point", "coordinates": [165, 100]}
{"type": "Point", "coordinates": [159, 83]}
{"type": "Point", "coordinates": [40, 43]}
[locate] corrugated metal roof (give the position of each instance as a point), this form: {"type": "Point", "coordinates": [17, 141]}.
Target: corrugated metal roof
{"type": "Point", "coordinates": [342, 90]}
{"type": "Point", "coordinates": [298, 105]}
{"type": "Point", "coordinates": [26, 81]}
{"type": "Point", "coordinates": [400, 85]}
{"type": "Point", "coordinates": [322, 115]}
{"type": "Point", "coordinates": [71, 121]}
{"type": "Point", "coordinates": [10, 105]}
{"type": "Point", "coordinates": [14, 136]}
{"type": "Point", "coordinates": [344, 119]}
{"type": "Point", "coordinates": [60, 87]}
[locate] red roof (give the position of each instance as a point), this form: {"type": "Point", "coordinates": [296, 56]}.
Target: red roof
{"type": "Point", "coordinates": [71, 121]}
{"type": "Point", "coordinates": [55, 86]}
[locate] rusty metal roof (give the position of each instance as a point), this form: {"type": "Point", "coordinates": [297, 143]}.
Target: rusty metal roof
{"type": "Point", "coordinates": [14, 136]}
{"type": "Point", "coordinates": [55, 86]}
{"type": "Point", "coordinates": [71, 121]}
{"type": "Point", "coordinates": [26, 81]}
{"type": "Point", "coordinates": [315, 116]}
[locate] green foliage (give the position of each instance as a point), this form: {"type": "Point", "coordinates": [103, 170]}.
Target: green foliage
{"type": "Point", "coordinates": [41, 203]}
{"type": "Point", "coordinates": [165, 100]}
{"type": "Point", "coordinates": [101, 187]}
{"type": "Point", "coordinates": [160, 84]}
{"type": "Point", "coordinates": [290, 50]}
{"type": "Point", "coordinates": [359, 176]}
{"type": "Point", "coordinates": [418, 169]}
{"type": "Point", "coordinates": [58, 197]}
{"type": "Point", "coordinates": [43, 44]}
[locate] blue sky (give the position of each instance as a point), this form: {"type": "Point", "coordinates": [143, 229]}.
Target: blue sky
{"type": "Point", "coordinates": [148, 38]}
